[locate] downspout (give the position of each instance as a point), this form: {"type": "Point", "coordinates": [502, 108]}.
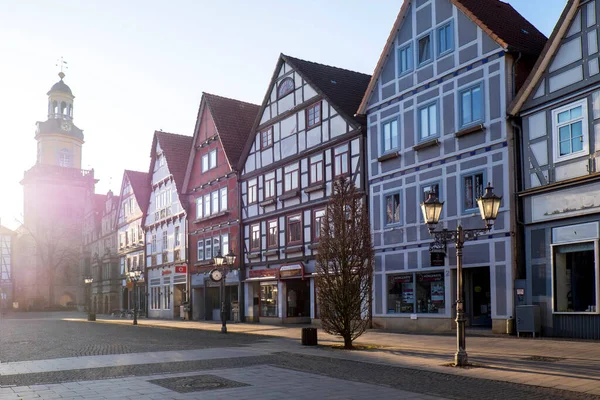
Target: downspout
{"type": "Point", "coordinates": [242, 270]}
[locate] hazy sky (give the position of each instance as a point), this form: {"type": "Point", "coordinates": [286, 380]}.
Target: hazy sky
{"type": "Point", "coordinates": [139, 66]}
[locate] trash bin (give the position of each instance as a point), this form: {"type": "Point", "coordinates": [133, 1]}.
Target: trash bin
{"type": "Point", "coordinates": [510, 326]}
{"type": "Point", "coordinates": [309, 336]}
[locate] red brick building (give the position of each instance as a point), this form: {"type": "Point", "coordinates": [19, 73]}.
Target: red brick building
{"type": "Point", "coordinates": [222, 129]}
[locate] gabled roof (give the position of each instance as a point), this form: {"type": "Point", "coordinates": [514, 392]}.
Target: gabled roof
{"type": "Point", "coordinates": [342, 88]}
{"type": "Point", "coordinates": [176, 149]}
{"type": "Point", "coordinates": [234, 120]}
{"type": "Point", "coordinates": [6, 232]}
{"type": "Point", "coordinates": [542, 63]}
{"type": "Point", "coordinates": [140, 185]}
{"type": "Point", "coordinates": [509, 29]}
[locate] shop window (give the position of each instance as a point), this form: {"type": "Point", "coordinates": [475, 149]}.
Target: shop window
{"type": "Point", "coordinates": [266, 138]}
{"type": "Point", "coordinates": [473, 186]}
{"type": "Point", "coordinates": [298, 298]}
{"type": "Point", "coordinates": [255, 237]}
{"type": "Point", "coordinates": [430, 293]}
{"type": "Point", "coordinates": [313, 115]}
{"type": "Point", "coordinates": [575, 278]}
{"type": "Point", "coordinates": [272, 234]}
{"type": "Point", "coordinates": [316, 169]}
{"type": "Point", "coordinates": [401, 294]}
{"type": "Point", "coordinates": [422, 293]}
{"type": "Point", "coordinates": [268, 300]}
{"type": "Point", "coordinates": [269, 186]}
{"type": "Point", "coordinates": [294, 230]}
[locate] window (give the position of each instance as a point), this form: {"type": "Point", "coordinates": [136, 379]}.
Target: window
{"type": "Point", "coordinates": [574, 278]}
{"type": "Point", "coordinates": [208, 249]}
{"type": "Point", "coordinates": [269, 186]}
{"type": "Point", "coordinates": [426, 189]}
{"type": "Point", "coordinates": [405, 62]}
{"type": "Point", "coordinates": [416, 293]}
{"type": "Point", "coordinates": [473, 187]}
{"type": "Point", "coordinates": [316, 169]}
{"type": "Point", "coordinates": [65, 159]}
{"type": "Point", "coordinates": [155, 293]}
{"type": "Point", "coordinates": [471, 105]}
{"type": "Point", "coordinates": [285, 87]}
{"type": "Point", "coordinates": [424, 49]}
{"type": "Point", "coordinates": [177, 239]}
{"type": "Point", "coordinates": [445, 39]}
{"type": "Point", "coordinates": [225, 244]}
{"type": "Point", "coordinates": [392, 209]}
{"type": "Point", "coordinates": [200, 250]}
{"type": "Point", "coordinates": [341, 161]}
{"type": "Point", "coordinates": [153, 244]}
{"type": "Point", "coordinates": [255, 237]}
{"type": "Point", "coordinates": [390, 135]}
{"type": "Point", "coordinates": [294, 229]}
{"type": "Point", "coordinates": [318, 220]}
{"type": "Point", "coordinates": [252, 191]}
{"type": "Point", "coordinates": [199, 207]}
{"type": "Point", "coordinates": [272, 234]}
{"type": "Point", "coordinates": [165, 241]}
{"type": "Point", "coordinates": [268, 300]}
{"type": "Point", "coordinates": [167, 297]}
{"type": "Point", "coordinates": [213, 158]}
{"type": "Point", "coordinates": [215, 201]}
{"type": "Point", "coordinates": [428, 125]}
{"type": "Point", "coordinates": [266, 138]}
{"type": "Point", "coordinates": [313, 115]}
{"type": "Point", "coordinates": [570, 131]}
{"type": "Point", "coordinates": [223, 192]}
{"type": "Point", "coordinates": [206, 205]}
{"type": "Point", "coordinates": [140, 233]}
{"type": "Point", "coordinates": [209, 160]}
{"type": "Point", "coordinates": [205, 164]}
{"type": "Point", "coordinates": [290, 178]}
{"type": "Point", "coordinates": [217, 246]}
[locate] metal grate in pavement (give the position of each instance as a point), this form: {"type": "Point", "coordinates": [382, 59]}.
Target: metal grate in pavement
{"type": "Point", "coordinates": [197, 383]}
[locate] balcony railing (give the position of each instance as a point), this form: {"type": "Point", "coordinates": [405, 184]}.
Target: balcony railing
{"type": "Point", "coordinates": [57, 171]}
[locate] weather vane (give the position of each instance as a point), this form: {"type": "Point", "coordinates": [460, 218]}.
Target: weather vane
{"type": "Point", "coordinates": [63, 66]}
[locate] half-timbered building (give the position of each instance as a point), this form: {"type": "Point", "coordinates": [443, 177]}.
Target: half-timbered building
{"type": "Point", "coordinates": [222, 129]}
{"type": "Point", "coordinates": [436, 110]}
{"type": "Point", "coordinates": [165, 225]}
{"type": "Point", "coordinates": [560, 112]}
{"type": "Point", "coordinates": [304, 137]}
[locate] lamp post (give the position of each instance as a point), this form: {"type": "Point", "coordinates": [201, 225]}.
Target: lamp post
{"type": "Point", "coordinates": [88, 285]}
{"type": "Point", "coordinates": [218, 275]}
{"type": "Point", "coordinates": [489, 204]}
{"type": "Point", "coordinates": [134, 276]}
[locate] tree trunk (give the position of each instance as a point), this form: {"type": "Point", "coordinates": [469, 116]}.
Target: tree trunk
{"type": "Point", "coordinates": [348, 342]}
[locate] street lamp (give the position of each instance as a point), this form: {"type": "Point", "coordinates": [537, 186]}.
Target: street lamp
{"type": "Point", "coordinates": [88, 285]}
{"type": "Point", "coordinates": [218, 275]}
{"type": "Point", "coordinates": [134, 276]}
{"type": "Point", "coordinates": [489, 204]}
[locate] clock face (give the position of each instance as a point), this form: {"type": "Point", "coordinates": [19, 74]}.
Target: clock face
{"type": "Point", "coordinates": [216, 275]}
{"type": "Point", "coordinates": [66, 126]}
{"type": "Point", "coordinates": [286, 86]}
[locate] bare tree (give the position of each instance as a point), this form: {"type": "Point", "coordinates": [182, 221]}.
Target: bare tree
{"type": "Point", "coordinates": [345, 264]}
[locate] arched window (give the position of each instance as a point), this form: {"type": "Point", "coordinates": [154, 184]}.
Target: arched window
{"type": "Point", "coordinates": [64, 158]}
{"type": "Point", "coordinates": [63, 108]}
{"type": "Point", "coordinates": [55, 107]}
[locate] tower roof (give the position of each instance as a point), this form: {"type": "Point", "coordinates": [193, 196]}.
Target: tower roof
{"type": "Point", "coordinates": [60, 86]}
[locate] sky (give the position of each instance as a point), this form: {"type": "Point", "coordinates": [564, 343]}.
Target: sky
{"type": "Point", "coordinates": [142, 65]}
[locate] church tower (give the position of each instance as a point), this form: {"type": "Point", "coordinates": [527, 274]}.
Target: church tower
{"type": "Point", "coordinates": [48, 270]}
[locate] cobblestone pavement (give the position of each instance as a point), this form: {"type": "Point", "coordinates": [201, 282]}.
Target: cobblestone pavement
{"type": "Point", "coordinates": [271, 373]}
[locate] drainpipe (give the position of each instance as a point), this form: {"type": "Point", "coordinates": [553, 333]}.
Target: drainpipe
{"type": "Point", "coordinates": [240, 257]}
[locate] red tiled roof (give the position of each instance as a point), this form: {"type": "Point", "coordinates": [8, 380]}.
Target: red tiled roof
{"type": "Point", "coordinates": [140, 184]}
{"type": "Point", "coordinates": [176, 149]}
{"type": "Point", "coordinates": [234, 120]}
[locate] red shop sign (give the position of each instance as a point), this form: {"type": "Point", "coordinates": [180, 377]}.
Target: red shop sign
{"type": "Point", "coordinates": [166, 272]}
{"type": "Point", "coordinates": [181, 269]}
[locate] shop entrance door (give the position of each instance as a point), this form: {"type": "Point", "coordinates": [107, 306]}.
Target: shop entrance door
{"type": "Point", "coordinates": [481, 299]}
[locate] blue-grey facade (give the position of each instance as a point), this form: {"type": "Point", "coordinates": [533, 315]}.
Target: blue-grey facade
{"type": "Point", "coordinates": [436, 115]}
{"type": "Point", "coordinates": [560, 113]}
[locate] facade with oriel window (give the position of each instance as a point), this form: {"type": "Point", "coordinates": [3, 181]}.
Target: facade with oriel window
{"type": "Point", "coordinates": [559, 108]}
{"type": "Point", "coordinates": [436, 115]}
{"type": "Point", "coordinates": [165, 226]}
{"type": "Point", "coordinates": [305, 136]}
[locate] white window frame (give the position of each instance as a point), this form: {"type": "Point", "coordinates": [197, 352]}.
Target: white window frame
{"type": "Point", "coordinates": [223, 195]}
{"type": "Point", "coordinates": [384, 208]}
{"type": "Point", "coordinates": [252, 191]}
{"type": "Point", "coordinates": [224, 244]}
{"type": "Point", "coordinates": [199, 207]}
{"type": "Point", "coordinates": [200, 246]}
{"type": "Point", "coordinates": [420, 137]}
{"type": "Point", "coordinates": [584, 129]}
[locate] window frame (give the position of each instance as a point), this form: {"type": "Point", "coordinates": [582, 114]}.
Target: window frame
{"type": "Point", "coordinates": [431, 50]}
{"type": "Point", "coordinates": [427, 106]}
{"type": "Point", "coordinates": [199, 245]}
{"type": "Point", "coordinates": [251, 244]}
{"type": "Point", "coordinates": [313, 229]}
{"type": "Point", "coordinates": [462, 187]}
{"type": "Point", "coordinates": [214, 206]}
{"type": "Point", "coordinates": [252, 189]}
{"type": "Point", "coordinates": [585, 130]}
{"type": "Point", "coordinates": [223, 198]}
{"type": "Point", "coordinates": [422, 186]}
{"type": "Point", "coordinates": [207, 204]}
{"type": "Point", "coordinates": [297, 180]}
{"type": "Point", "coordinates": [461, 123]}
{"type": "Point", "coordinates": [269, 136]}
{"type": "Point", "coordinates": [298, 241]}
{"type": "Point", "coordinates": [267, 182]}
{"type": "Point", "coordinates": [224, 250]}
{"type": "Point", "coordinates": [382, 135]}
{"type": "Point", "coordinates": [321, 169]}
{"type": "Point", "coordinates": [337, 173]}
{"type": "Point", "coordinates": [384, 208]}
{"type": "Point", "coordinates": [318, 104]}
{"type": "Point", "coordinates": [450, 49]}
{"type": "Point", "coordinates": [410, 62]}
{"type": "Point", "coordinates": [208, 249]}
{"type": "Point", "coordinates": [282, 95]}
{"type": "Point", "coordinates": [270, 244]}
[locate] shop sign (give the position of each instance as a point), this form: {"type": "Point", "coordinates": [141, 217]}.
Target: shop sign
{"type": "Point", "coordinates": [263, 273]}
{"type": "Point", "coordinates": [166, 272]}
{"type": "Point", "coordinates": [402, 278]}
{"type": "Point", "coordinates": [430, 277]}
{"type": "Point", "coordinates": [181, 269]}
{"type": "Point", "coordinates": [437, 259]}
{"type": "Point", "coordinates": [291, 271]}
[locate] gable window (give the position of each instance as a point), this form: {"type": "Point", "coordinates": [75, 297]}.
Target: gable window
{"type": "Point", "coordinates": [570, 127]}
{"type": "Point", "coordinates": [266, 138]}
{"type": "Point", "coordinates": [200, 250]}
{"type": "Point", "coordinates": [445, 36]}
{"type": "Point", "coordinates": [199, 207]}
{"type": "Point", "coordinates": [290, 178]}
{"type": "Point", "coordinates": [390, 135]}
{"type": "Point", "coordinates": [318, 220]}
{"type": "Point", "coordinates": [316, 169]}
{"type": "Point", "coordinates": [392, 209]}
{"type": "Point", "coordinates": [313, 115]}
{"type": "Point", "coordinates": [424, 49]}
{"type": "Point", "coordinates": [252, 191]}
{"type": "Point", "coordinates": [209, 160]}
{"type": "Point", "coordinates": [294, 229]}
{"type": "Point", "coordinates": [471, 105]}
{"type": "Point", "coordinates": [223, 192]}
{"type": "Point", "coordinates": [272, 234]}
{"type": "Point", "coordinates": [255, 237]}
{"type": "Point", "coordinates": [208, 249]}
{"type": "Point", "coordinates": [341, 161]}
{"type": "Point", "coordinates": [286, 86]}
{"type": "Point", "coordinates": [269, 186]}
{"type": "Point", "coordinates": [428, 121]}
{"type": "Point", "coordinates": [473, 187]}
{"type": "Point", "coordinates": [405, 59]}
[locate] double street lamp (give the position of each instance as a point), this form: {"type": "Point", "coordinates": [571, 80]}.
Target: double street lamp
{"type": "Point", "coordinates": [218, 275]}
{"type": "Point", "coordinates": [489, 204]}
{"type": "Point", "coordinates": [88, 285]}
{"type": "Point", "coordinates": [134, 277]}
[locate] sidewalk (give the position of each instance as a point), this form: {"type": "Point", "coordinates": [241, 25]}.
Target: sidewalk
{"type": "Point", "coordinates": [560, 364]}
